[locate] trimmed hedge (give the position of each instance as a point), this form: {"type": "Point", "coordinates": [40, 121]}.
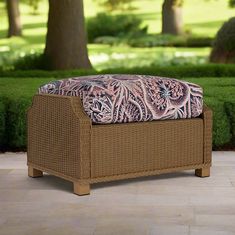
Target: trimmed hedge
{"type": "Point", "coordinates": [230, 109]}
{"type": "Point", "coordinates": [219, 94]}
{"type": "Point", "coordinates": [164, 40]}
{"type": "Point", "coordinates": [179, 71]}
{"type": "Point", "coordinates": [16, 122]}
{"type": "Point", "coordinates": [221, 124]}
{"type": "Point", "coordinates": [13, 123]}
{"type": "Point", "coordinates": [14, 136]}
{"type": "Point", "coordinates": [2, 123]}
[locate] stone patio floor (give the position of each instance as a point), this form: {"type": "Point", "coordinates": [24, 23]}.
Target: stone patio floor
{"type": "Point", "coordinates": [177, 203]}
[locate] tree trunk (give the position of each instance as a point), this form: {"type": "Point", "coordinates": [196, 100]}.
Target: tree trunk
{"type": "Point", "coordinates": [13, 11]}
{"type": "Point", "coordinates": [172, 18]}
{"type": "Point", "coordinates": [66, 42]}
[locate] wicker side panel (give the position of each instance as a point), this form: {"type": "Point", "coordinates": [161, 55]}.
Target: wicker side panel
{"type": "Point", "coordinates": [207, 120]}
{"type": "Point", "coordinates": [59, 135]}
{"type": "Point", "coordinates": [141, 147]}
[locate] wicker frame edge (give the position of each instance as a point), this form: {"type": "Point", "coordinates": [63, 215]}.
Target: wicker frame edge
{"type": "Point", "coordinates": [84, 122]}
{"type": "Point", "coordinates": [121, 176]}
{"type": "Point", "coordinates": [84, 138]}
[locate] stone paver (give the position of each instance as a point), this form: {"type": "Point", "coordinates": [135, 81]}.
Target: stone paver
{"type": "Point", "coordinates": [177, 203]}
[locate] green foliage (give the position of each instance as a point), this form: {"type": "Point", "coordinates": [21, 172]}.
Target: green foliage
{"type": "Point", "coordinates": [178, 3]}
{"type": "Point", "coordinates": [45, 74]}
{"type": "Point", "coordinates": [7, 59]}
{"type": "Point", "coordinates": [2, 122]}
{"type": "Point", "coordinates": [117, 56]}
{"type": "Point", "coordinates": [114, 25]}
{"type": "Point", "coordinates": [107, 40]}
{"type": "Point", "coordinates": [113, 5]}
{"type": "Point", "coordinates": [16, 122]}
{"type": "Point", "coordinates": [164, 40]}
{"type": "Point", "coordinates": [221, 126]}
{"type": "Point", "coordinates": [34, 4]}
{"type": "Point", "coordinates": [230, 109]}
{"type": "Point", "coordinates": [13, 122]}
{"type": "Point", "coordinates": [199, 41]}
{"type": "Point", "coordinates": [208, 70]}
{"type": "Point", "coordinates": [32, 61]}
{"type": "Point", "coordinates": [221, 123]}
{"type": "Point", "coordinates": [159, 40]}
{"type": "Point", "coordinates": [231, 3]}
{"type": "Point", "coordinates": [225, 38]}
{"type": "Point", "coordinates": [180, 71]}
{"type": "Point", "coordinates": [224, 45]}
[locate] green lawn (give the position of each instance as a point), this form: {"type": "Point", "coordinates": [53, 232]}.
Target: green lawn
{"type": "Point", "coordinates": [197, 18]}
{"type": "Point", "coordinates": [221, 89]}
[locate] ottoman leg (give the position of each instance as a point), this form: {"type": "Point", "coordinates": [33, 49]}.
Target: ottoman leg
{"type": "Point", "coordinates": [81, 189]}
{"type": "Point", "coordinates": [203, 172]}
{"type": "Point", "coordinates": [32, 172]}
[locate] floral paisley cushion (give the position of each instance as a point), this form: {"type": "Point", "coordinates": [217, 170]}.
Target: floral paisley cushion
{"type": "Point", "coordinates": [131, 98]}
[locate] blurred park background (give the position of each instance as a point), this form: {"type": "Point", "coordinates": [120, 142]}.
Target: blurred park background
{"type": "Point", "coordinates": [134, 36]}
{"type": "Point", "coordinates": [193, 40]}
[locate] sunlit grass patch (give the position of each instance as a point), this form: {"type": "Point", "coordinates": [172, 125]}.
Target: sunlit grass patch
{"type": "Point", "coordinates": [103, 56]}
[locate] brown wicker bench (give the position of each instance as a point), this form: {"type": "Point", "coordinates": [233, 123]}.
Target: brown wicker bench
{"type": "Point", "coordinates": [63, 142]}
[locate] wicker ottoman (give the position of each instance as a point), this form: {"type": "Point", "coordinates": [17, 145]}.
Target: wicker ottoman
{"type": "Point", "coordinates": [62, 141]}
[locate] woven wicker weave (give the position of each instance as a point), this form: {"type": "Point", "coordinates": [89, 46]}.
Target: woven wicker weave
{"type": "Point", "coordinates": [62, 141]}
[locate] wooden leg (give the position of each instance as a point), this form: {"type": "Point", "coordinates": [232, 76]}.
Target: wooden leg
{"type": "Point", "coordinates": [81, 189]}
{"type": "Point", "coordinates": [203, 172]}
{"type": "Point", "coordinates": [32, 172]}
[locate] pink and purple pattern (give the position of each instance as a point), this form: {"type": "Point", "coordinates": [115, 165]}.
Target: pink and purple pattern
{"type": "Point", "coordinates": [131, 98]}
